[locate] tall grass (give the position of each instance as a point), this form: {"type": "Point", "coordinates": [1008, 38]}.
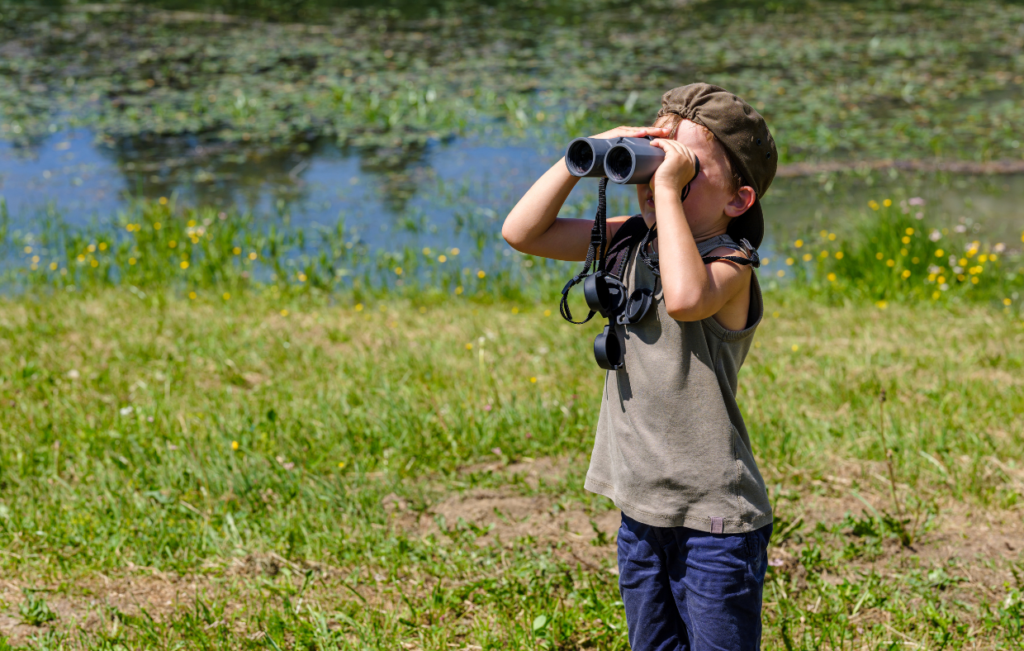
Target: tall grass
{"type": "Point", "coordinates": [887, 254]}
{"type": "Point", "coordinates": [893, 254]}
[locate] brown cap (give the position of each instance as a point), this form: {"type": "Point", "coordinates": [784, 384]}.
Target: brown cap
{"type": "Point", "coordinates": [743, 133]}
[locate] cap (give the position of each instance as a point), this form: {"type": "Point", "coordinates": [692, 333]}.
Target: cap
{"type": "Point", "coordinates": [743, 133]}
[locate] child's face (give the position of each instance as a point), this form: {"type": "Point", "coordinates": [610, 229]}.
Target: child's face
{"type": "Point", "coordinates": [711, 203]}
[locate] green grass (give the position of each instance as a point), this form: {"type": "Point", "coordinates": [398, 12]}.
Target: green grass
{"type": "Point", "coordinates": [314, 480]}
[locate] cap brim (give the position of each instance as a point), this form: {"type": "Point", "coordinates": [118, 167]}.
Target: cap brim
{"type": "Point", "coordinates": [749, 225]}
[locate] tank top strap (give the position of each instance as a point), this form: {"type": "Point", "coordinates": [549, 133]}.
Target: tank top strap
{"type": "Point", "coordinates": [725, 241]}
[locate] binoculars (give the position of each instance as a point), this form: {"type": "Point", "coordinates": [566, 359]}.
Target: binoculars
{"type": "Point", "coordinates": [623, 160]}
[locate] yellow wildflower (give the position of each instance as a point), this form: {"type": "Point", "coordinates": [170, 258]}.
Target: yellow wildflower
{"type": "Point", "coordinates": [798, 243]}
{"type": "Point", "coordinates": [780, 273]}
{"type": "Point", "coordinates": [454, 251]}
{"type": "Point", "coordinates": [480, 274]}
{"type": "Point", "coordinates": [442, 258]}
{"type": "Point", "coordinates": [547, 312]}
{"type": "Point", "coordinates": [905, 274]}
{"type": "Point", "coordinates": [887, 203]}
{"type": "Point", "coordinates": [839, 255]}
{"type": "Point", "coordinates": [252, 255]}
{"type": "Point", "coordinates": [131, 261]}
{"type": "Point", "coordinates": [533, 380]}
{"type": "Point", "coordinates": [237, 250]}
{"type": "Point", "coordinates": [873, 204]}
{"type": "Point", "coordinates": [831, 278]}
{"type": "Point", "coordinates": [184, 264]}
{"type": "Point", "coordinates": [831, 237]}
{"type": "Point", "coordinates": [790, 261]}
{"type": "Point", "coordinates": [227, 296]}
{"type": "Point", "coordinates": [939, 253]}
{"type": "Point", "coordinates": [234, 445]}
{"type": "Point", "coordinates": [359, 307]}
{"type": "Point", "coordinates": [192, 296]}
{"type": "Point", "coordinates": [890, 263]}
{"type": "Point", "coordinates": [163, 201]}
{"type": "Point", "coordinates": [1006, 301]}
{"type": "Point", "coordinates": [794, 348]}
{"type": "Point", "coordinates": [879, 255]}
{"type": "Point", "coordinates": [469, 346]}
{"type": "Point", "coordinates": [398, 271]}
{"type": "Point", "coordinates": [882, 305]}
{"type": "Point", "coordinates": [807, 257]}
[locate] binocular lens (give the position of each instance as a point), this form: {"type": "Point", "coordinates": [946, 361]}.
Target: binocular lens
{"type": "Point", "coordinates": [618, 164]}
{"type": "Point", "coordinates": [632, 160]}
{"type": "Point", "coordinates": [580, 158]}
{"type": "Point", "coordinates": [585, 156]}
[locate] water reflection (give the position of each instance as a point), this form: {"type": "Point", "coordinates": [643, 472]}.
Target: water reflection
{"type": "Point", "coordinates": [443, 193]}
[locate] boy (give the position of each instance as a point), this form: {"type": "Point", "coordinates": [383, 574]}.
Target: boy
{"type": "Point", "coordinates": [671, 449]}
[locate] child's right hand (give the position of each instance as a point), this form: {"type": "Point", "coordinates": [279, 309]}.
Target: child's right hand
{"type": "Point", "coordinates": [634, 132]}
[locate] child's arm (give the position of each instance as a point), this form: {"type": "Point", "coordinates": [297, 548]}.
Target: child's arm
{"type": "Point", "coordinates": [533, 226]}
{"type": "Point", "coordinates": [693, 290]}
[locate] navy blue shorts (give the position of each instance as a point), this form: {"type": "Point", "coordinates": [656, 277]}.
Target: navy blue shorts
{"type": "Point", "coordinates": [689, 590]}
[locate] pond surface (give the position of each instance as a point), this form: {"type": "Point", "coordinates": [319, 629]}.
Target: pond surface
{"type": "Point", "coordinates": [81, 137]}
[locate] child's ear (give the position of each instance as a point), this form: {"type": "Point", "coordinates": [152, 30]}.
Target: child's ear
{"type": "Point", "coordinates": [741, 201]}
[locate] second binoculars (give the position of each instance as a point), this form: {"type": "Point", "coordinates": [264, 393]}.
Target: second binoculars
{"type": "Point", "coordinates": [622, 160]}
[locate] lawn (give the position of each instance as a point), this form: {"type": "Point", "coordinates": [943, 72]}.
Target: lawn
{"type": "Point", "coordinates": [261, 472]}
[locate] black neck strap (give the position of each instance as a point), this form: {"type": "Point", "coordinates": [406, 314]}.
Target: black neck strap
{"type": "Point", "coordinates": [595, 253]}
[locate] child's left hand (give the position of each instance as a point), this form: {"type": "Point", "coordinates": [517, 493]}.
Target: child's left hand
{"type": "Point", "coordinates": [678, 167]}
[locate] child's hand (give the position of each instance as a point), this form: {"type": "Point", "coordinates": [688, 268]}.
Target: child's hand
{"type": "Point", "coordinates": [633, 132]}
{"type": "Point", "coordinates": [678, 167]}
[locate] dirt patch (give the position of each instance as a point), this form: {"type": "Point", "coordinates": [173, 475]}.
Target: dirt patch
{"type": "Point", "coordinates": [531, 471]}
{"type": "Point", "coordinates": [503, 517]}
{"type": "Point", "coordinates": [1006, 166]}
{"type": "Point", "coordinates": [97, 603]}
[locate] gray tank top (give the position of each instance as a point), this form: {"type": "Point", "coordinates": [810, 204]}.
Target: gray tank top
{"type": "Point", "coordinates": [671, 447]}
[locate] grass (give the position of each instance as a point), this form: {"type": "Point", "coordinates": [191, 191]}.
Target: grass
{"type": "Point", "coordinates": [204, 473]}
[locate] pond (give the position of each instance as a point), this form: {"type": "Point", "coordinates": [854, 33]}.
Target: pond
{"type": "Point", "coordinates": [306, 114]}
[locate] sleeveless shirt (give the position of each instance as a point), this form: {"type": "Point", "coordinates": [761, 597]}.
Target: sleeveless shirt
{"type": "Point", "coordinates": [671, 447]}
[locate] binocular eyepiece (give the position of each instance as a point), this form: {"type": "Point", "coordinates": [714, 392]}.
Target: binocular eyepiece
{"type": "Point", "coordinates": [623, 160]}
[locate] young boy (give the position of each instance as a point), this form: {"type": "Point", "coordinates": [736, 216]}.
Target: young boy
{"type": "Point", "coordinates": [671, 450]}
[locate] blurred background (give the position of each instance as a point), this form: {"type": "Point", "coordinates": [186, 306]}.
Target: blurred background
{"type": "Point", "coordinates": [417, 125]}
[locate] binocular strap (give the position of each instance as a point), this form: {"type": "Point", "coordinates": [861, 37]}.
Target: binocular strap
{"type": "Point", "coordinates": [595, 260]}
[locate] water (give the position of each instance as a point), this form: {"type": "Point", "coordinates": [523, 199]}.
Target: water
{"type": "Point", "coordinates": [424, 199]}
{"type": "Point", "coordinates": [443, 190]}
